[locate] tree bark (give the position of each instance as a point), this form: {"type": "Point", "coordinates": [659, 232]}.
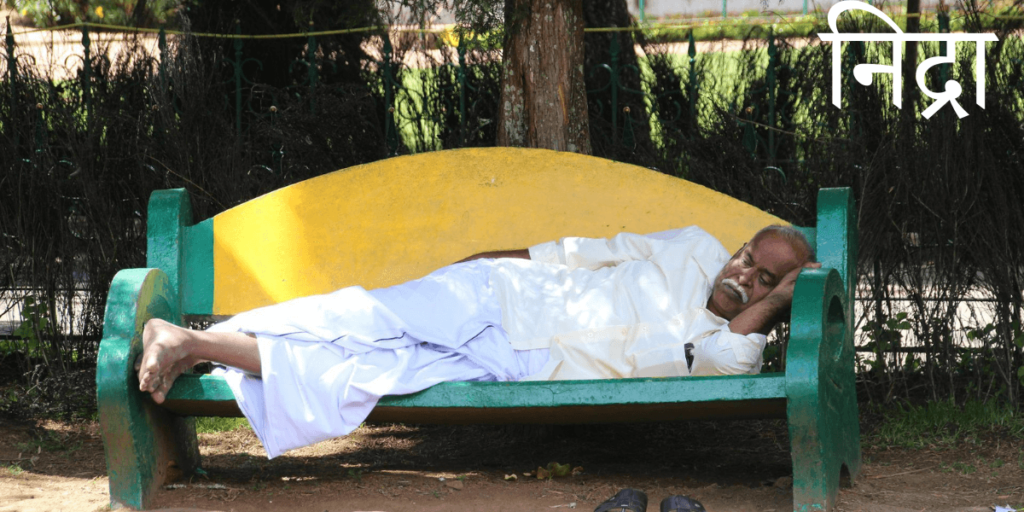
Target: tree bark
{"type": "Point", "coordinates": [544, 99]}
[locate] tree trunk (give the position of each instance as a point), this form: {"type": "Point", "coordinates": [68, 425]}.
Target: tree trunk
{"type": "Point", "coordinates": [544, 99]}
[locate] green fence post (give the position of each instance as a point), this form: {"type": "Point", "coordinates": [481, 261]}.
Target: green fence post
{"type": "Point", "coordinates": [944, 29]}
{"type": "Point", "coordinates": [390, 130]}
{"type": "Point", "coordinates": [615, 87]}
{"type": "Point", "coordinates": [40, 130]}
{"type": "Point", "coordinates": [311, 66]}
{"type": "Point", "coordinates": [87, 75]}
{"type": "Point", "coordinates": [643, 17]}
{"type": "Point", "coordinates": [854, 55]}
{"type": "Point", "coordinates": [725, 12]}
{"type": "Point", "coordinates": [12, 75]}
{"type": "Point", "coordinates": [238, 81]}
{"type": "Point", "coordinates": [692, 86]}
{"type": "Point", "coordinates": [278, 152]}
{"type": "Point", "coordinates": [311, 56]}
{"type": "Point", "coordinates": [772, 62]}
{"type": "Point", "coordinates": [162, 45]}
{"type": "Point", "coordinates": [462, 91]}
{"type": "Point", "coordinates": [162, 71]}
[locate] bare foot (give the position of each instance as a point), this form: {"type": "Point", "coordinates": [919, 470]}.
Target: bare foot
{"type": "Point", "coordinates": [166, 354]}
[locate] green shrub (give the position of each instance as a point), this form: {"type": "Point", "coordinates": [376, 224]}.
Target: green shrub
{"type": "Point", "coordinates": [48, 13]}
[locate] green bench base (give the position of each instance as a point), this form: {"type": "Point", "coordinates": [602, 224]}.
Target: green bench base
{"type": "Point", "coordinates": [815, 395]}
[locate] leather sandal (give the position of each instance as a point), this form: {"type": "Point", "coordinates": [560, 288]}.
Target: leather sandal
{"type": "Point", "coordinates": [626, 500]}
{"type": "Point", "coordinates": [678, 503]}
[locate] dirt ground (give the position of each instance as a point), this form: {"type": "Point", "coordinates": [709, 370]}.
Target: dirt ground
{"type": "Point", "coordinates": [729, 466]}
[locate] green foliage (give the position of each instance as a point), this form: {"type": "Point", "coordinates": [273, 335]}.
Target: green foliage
{"type": "Point", "coordinates": [946, 423]}
{"type": "Point", "coordinates": [12, 469]}
{"type": "Point", "coordinates": [34, 324]}
{"type": "Point", "coordinates": [1018, 340]}
{"type": "Point", "coordinates": [480, 23]}
{"type": "Point", "coordinates": [964, 468]}
{"type": "Point", "coordinates": [47, 13]}
{"type": "Point", "coordinates": [211, 425]}
{"type": "Point", "coordinates": [51, 441]}
{"type": "Point", "coordinates": [887, 335]}
{"type": "Point", "coordinates": [738, 28]}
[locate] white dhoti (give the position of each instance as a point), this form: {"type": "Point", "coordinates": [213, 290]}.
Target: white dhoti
{"type": "Point", "coordinates": [326, 360]}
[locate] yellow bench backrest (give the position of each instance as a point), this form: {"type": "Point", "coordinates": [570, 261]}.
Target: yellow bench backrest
{"type": "Point", "coordinates": [394, 220]}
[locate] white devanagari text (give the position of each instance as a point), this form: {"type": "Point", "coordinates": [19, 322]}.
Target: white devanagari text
{"type": "Point", "coordinates": [863, 73]}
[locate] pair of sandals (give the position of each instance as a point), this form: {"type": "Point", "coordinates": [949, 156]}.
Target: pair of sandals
{"type": "Point", "coordinates": [634, 500]}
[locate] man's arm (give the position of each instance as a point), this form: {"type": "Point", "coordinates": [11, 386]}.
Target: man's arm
{"type": "Point", "coordinates": [763, 316]}
{"type": "Point", "coordinates": [514, 253]}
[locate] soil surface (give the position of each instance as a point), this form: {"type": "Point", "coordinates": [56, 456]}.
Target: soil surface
{"type": "Point", "coordinates": [728, 466]}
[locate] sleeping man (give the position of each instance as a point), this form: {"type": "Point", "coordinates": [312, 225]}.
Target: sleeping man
{"type": "Point", "coordinates": [313, 368]}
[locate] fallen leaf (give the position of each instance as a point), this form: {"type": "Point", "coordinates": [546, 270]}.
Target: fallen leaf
{"type": "Point", "coordinates": [542, 473]}
{"type": "Point", "coordinates": [578, 470]}
{"type": "Point", "coordinates": [513, 476]}
{"type": "Point", "coordinates": [557, 469]}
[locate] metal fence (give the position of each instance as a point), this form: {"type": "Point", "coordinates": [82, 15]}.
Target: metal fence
{"type": "Point", "coordinates": [403, 105]}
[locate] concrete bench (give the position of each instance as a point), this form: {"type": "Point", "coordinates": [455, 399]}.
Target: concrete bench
{"type": "Point", "coordinates": [390, 221]}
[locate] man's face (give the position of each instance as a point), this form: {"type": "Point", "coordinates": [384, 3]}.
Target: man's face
{"type": "Point", "coordinates": [752, 274]}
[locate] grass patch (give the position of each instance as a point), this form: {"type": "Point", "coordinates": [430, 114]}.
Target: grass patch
{"type": "Point", "coordinates": [50, 441]}
{"type": "Point", "coordinates": [11, 470]}
{"type": "Point", "coordinates": [946, 423]}
{"type": "Point", "coordinates": [207, 425]}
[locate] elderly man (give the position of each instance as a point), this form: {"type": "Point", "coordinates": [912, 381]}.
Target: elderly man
{"type": "Point", "coordinates": [630, 306]}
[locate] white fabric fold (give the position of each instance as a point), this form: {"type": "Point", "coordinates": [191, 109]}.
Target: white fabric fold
{"type": "Point", "coordinates": [324, 367]}
{"type": "Point", "coordinates": [586, 309]}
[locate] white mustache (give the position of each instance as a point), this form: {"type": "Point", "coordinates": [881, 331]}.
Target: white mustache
{"type": "Point", "coordinates": [736, 286]}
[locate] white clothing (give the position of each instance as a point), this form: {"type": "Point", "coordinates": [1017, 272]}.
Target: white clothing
{"type": "Point", "coordinates": [326, 360]}
{"type": "Point", "coordinates": [622, 307]}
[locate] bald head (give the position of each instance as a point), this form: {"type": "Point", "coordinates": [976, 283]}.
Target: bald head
{"type": "Point", "coordinates": [793, 236]}
{"type": "Point", "coordinates": [757, 268]}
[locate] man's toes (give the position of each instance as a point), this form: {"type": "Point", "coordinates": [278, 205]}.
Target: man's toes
{"type": "Point", "coordinates": [165, 387]}
{"type": "Point", "coordinates": [143, 365]}
{"type": "Point", "coordinates": [150, 381]}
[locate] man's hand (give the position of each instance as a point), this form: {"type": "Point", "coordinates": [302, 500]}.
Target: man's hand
{"type": "Point", "coordinates": [514, 253]}
{"type": "Point", "coordinates": [763, 316]}
{"type": "Point", "coordinates": [782, 294]}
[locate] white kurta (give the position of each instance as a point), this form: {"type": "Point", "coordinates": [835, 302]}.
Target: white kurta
{"type": "Point", "coordinates": [326, 360]}
{"type": "Point", "coordinates": [623, 307]}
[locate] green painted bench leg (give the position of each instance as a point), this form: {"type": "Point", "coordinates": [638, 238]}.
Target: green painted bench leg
{"type": "Point", "coordinates": [822, 404]}
{"type": "Point", "coordinates": [144, 444]}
